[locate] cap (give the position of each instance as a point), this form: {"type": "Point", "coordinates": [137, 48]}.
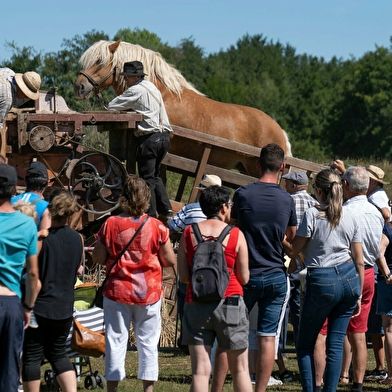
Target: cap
{"type": "Point", "coordinates": [298, 177]}
{"type": "Point", "coordinates": [8, 173]}
{"type": "Point", "coordinates": [376, 174]}
{"type": "Point", "coordinates": [209, 180]}
{"type": "Point", "coordinates": [37, 169]}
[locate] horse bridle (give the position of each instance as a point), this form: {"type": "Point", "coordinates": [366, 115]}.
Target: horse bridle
{"type": "Point", "coordinates": [96, 85]}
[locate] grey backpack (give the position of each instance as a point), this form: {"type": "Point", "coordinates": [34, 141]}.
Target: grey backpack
{"type": "Point", "coordinates": [209, 274]}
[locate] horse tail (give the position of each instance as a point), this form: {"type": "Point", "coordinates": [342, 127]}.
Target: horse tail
{"type": "Point", "coordinates": [288, 144]}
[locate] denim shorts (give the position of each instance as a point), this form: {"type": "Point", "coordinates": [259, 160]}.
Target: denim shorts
{"type": "Point", "coordinates": [384, 298]}
{"type": "Point", "coordinates": [226, 320]}
{"type": "Point", "coordinates": [269, 292]}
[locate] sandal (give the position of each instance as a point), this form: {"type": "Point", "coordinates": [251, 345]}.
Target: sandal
{"type": "Point", "coordinates": [344, 379]}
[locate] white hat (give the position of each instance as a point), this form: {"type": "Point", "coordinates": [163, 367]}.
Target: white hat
{"type": "Point", "coordinates": [29, 83]}
{"type": "Point", "coordinates": [209, 180]}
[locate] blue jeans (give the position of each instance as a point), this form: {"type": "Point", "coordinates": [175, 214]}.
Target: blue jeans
{"type": "Point", "coordinates": [331, 293]}
{"type": "Point", "coordinates": [269, 291]}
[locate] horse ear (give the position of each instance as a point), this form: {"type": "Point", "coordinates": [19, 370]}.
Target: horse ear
{"type": "Point", "coordinates": [113, 47]}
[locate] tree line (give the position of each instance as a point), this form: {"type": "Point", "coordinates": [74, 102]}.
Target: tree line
{"type": "Point", "coordinates": [337, 108]}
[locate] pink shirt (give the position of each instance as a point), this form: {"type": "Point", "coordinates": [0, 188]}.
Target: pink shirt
{"type": "Point", "coordinates": [137, 276]}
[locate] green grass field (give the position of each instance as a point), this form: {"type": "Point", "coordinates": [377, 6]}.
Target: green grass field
{"type": "Point", "coordinates": [175, 374]}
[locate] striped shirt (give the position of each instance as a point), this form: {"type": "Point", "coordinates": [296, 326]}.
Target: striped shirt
{"type": "Point", "coordinates": [7, 92]}
{"type": "Point", "coordinates": [190, 213]}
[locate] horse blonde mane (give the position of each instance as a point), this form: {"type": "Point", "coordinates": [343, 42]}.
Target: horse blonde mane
{"type": "Point", "coordinates": [154, 65]}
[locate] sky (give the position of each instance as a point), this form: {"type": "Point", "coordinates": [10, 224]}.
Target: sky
{"type": "Point", "coordinates": [322, 28]}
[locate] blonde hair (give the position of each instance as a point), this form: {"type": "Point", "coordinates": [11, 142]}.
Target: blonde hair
{"type": "Point", "coordinates": [330, 185]}
{"type": "Point", "coordinates": [62, 206]}
{"type": "Point", "coordinates": [26, 208]}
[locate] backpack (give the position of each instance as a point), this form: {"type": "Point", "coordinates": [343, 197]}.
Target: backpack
{"type": "Point", "coordinates": [209, 274]}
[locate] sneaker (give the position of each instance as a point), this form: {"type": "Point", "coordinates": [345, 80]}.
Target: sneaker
{"type": "Point", "coordinates": [286, 376]}
{"type": "Point", "coordinates": [274, 381]}
{"type": "Point", "coordinates": [376, 375]}
{"type": "Point", "coordinates": [20, 387]}
{"type": "Point", "coordinates": [33, 321]}
{"type": "Point", "coordinates": [253, 378]}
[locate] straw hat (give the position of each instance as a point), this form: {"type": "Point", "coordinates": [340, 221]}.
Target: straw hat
{"type": "Point", "coordinates": [376, 174]}
{"type": "Point", "coordinates": [29, 83]}
{"type": "Point", "coordinates": [209, 180]}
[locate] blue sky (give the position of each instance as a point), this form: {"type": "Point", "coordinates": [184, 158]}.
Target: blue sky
{"type": "Point", "coordinates": [341, 28]}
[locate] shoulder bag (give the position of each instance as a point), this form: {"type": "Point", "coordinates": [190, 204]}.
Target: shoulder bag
{"type": "Point", "coordinates": [98, 301]}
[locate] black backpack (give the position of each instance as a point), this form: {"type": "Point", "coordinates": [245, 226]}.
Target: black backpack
{"type": "Point", "coordinates": [209, 274]}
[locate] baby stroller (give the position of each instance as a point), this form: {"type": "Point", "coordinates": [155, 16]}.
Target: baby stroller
{"type": "Point", "coordinates": [90, 317]}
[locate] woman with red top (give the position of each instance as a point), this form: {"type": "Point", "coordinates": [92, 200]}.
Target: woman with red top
{"type": "Point", "coordinates": [134, 288]}
{"type": "Point", "coordinates": [226, 319]}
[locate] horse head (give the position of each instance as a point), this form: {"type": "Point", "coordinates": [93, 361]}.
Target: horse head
{"type": "Point", "coordinates": [100, 75]}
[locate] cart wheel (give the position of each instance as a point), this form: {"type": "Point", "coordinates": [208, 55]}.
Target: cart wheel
{"type": "Point", "coordinates": [90, 382]}
{"type": "Point", "coordinates": [49, 376]}
{"type": "Point", "coordinates": [101, 382]}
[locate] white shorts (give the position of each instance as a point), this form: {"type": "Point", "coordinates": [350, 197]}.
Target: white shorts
{"type": "Point", "coordinates": [146, 322]}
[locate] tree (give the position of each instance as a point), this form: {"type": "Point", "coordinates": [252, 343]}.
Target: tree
{"type": "Point", "coordinates": [362, 121]}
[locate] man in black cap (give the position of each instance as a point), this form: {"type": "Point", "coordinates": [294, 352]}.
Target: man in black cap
{"type": "Point", "coordinates": [36, 181]}
{"type": "Point", "coordinates": [153, 133]}
{"type": "Point", "coordinates": [18, 245]}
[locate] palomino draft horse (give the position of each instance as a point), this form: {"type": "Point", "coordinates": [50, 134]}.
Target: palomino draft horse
{"type": "Point", "coordinates": [186, 107]}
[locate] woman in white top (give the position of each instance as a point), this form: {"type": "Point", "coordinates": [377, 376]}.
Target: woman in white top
{"type": "Point", "coordinates": [330, 242]}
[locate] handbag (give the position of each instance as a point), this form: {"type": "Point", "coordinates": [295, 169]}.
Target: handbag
{"type": "Point", "coordinates": [87, 342]}
{"type": "Point", "coordinates": [98, 300]}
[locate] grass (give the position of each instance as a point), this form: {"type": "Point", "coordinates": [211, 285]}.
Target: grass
{"type": "Point", "coordinates": [175, 374]}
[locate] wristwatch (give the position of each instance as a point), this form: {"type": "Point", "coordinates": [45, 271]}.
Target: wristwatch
{"type": "Point", "coordinates": [388, 275]}
{"type": "Point", "coordinates": [29, 308]}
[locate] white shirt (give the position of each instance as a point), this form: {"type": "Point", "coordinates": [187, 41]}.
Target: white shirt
{"type": "Point", "coordinates": [144, 98]}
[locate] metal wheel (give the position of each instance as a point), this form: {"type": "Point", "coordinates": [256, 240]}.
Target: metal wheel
{"type": "Point", "coordinates": [90, 382]}
{"type": "Point", "coordinates": [48, 376]}
{"type": "Point", "coordinates": [96, 180]}
{"type": "Point", "coordinates": [41, 138]}
{"type": "Point", "coordinates": [101, 381]}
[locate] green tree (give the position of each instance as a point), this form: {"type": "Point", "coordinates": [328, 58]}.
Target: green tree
{"type": "Point", "coordinates": [23, 59]}
{"type": "Point", "coordinates": [362, 122]}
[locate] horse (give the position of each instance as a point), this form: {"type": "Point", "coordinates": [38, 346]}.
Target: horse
{"type": "Point", "coordinates": [186, 107]}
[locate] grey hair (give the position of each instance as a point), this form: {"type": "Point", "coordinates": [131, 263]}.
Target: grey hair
{"type": "Point", "coordinates": [357, 178]}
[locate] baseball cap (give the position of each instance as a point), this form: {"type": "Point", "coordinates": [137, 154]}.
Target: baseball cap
{"type": "Point", "coordinates": [298, 177]}
{"type": "Point", "coordinates": [37, 169]}
{"type": "Point", "coordinates": [8, 173]}
{"type": "Point", "coordinates": [209, 180]}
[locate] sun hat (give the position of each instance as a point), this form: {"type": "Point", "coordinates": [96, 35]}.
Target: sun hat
{"type": "Point", "coordinates": [133, 68]}
{"type": "Point", "coordinates": [29, 83]}
{"type": "Point", "coordinates": [209, 180]}
{"type": "Point", "coordinates": [37, 169]}
{"type": "Point", "coordinates": [297, 177]}
{"type": "Point", "coordinates": [8, 172]}
{"type": "Point", "coordinates": [376, 174]}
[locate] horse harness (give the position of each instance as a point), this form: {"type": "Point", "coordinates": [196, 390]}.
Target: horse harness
{"type": "Point", "coordinates": [96, 85]}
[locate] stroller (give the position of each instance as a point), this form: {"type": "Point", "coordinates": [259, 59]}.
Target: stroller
{"type": "Point", "coordinates": [90, 317]}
